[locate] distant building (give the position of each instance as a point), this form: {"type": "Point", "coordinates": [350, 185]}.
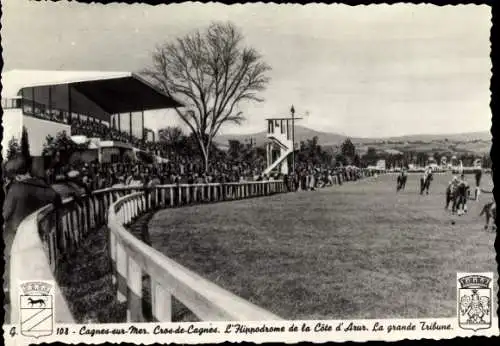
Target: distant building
{"type": "Point", "coordinates": [381, 164]}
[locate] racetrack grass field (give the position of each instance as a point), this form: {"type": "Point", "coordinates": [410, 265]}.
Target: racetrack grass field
{"type": "Point", "coordinates": [359, 250]}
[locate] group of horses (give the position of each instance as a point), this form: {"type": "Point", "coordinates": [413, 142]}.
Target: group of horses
{"type": "Point", "coordinates": [425, 182]}
{"type": "Point", "coordinates": [457, 195]}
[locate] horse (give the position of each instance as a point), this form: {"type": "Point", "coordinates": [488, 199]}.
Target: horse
{"type": "Point", "coordinates": [458, 195]}
{"type": "Point", "coordinates": [401, 183]}
{"type": "Point", "coordinates": [490, 212]}
{"type": "Point", "coordinates": [40, 301]}
{"type": "Point", "coordinates": [425, 183]}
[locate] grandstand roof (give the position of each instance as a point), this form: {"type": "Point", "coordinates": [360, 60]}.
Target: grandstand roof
{"type": "Point", "coordinates": [115, 92]}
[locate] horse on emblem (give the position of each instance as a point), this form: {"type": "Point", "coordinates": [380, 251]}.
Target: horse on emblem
{"type": "Point", "coordinates": [33, 302]}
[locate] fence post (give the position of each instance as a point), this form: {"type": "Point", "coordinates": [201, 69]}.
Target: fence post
{"type": "Point", "coordinates": [112, 250]}
{"type": "Point", "coordinates": [161, 302]}
{"type": "Point", "coordinates": [134, 292]}
{"type": "Point", "coordinates": [121, 269]}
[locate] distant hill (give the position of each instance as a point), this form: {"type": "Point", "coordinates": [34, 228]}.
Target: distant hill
{"type": "Point", "coordinates": [331, 139]}
{"type": "Point", "coordinates": [301, 134]}
{"type": "Point", "coordinates": [454, 137]}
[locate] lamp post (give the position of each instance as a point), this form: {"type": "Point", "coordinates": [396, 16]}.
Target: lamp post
{"type": "Point", "coordinates": [292, 110]}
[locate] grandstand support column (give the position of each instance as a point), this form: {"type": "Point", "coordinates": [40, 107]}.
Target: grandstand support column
{"type": "Point", "coordinates": [33, 100]}
{"type": "Point", "coordinates": [99, 152]}
{"type": "Point", "coordinates": [50, 100]}
{"type": "Point", "coordinates": [268, 152]}
{"type": "Point", "coordinates": [70, 106]}
{"type": "Point", "coordinates": [142, 118]}
{"type": "Point", "coordinates": [130, 125]}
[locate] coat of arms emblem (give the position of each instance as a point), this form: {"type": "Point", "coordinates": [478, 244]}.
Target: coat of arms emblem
{"type": "Point", "coordinates": [474, 302]}
{"type": "Point", "coordinates": [37, 312]}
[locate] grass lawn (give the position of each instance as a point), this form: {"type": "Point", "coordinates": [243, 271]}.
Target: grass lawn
{"type": "Point", "coordinates": [359, 250]}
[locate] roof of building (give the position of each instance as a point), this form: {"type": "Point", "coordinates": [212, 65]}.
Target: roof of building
{"type": "Point", "coordinates": [114, 92]}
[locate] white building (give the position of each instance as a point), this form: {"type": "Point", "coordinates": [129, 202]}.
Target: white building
{"type": "Point", "coordinates": [47, 102]}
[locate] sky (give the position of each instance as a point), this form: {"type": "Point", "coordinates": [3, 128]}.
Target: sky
{"type": "Point", "coordinates": [363, 71]}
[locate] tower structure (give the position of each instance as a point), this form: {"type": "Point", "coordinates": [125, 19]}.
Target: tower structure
{"type": "Point", "coordinates": [280, 144]}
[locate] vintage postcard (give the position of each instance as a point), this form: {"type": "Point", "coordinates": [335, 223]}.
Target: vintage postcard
{"type": "Point", "coordinates": [198, 173]}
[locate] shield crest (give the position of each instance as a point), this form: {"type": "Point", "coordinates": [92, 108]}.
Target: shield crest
{"type": "Point", "coordinates": [474, 302]}
{"type": "Point", "coordinates": [37, 315]}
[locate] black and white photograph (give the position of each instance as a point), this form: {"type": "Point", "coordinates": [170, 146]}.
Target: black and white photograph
{"type": "Point", "coordinates": [215, 172]}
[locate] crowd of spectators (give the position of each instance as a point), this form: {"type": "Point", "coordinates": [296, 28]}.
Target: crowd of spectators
{"type": "Point", "coordinates": [94, 129]}
{"type": "Point", "coordinates": [95, 176]}
{"type": "Point", "coordinates": [310, 178]}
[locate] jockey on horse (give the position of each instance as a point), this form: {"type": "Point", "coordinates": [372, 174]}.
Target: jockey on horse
{"type": "Point", "coordinates": [490, 210]}
{"type": "Point", "coordinates": [451, 192]}
{"type": "Point", "coordinates": [401, 183]}
{"type": "Point", "coordinates": [425, 181]}
{"type": "Point", "coordinates": [463, 193]}
{"type": "Point", "coordinates": [478, 174]}
{"type": "Point", "coordinates": [457, 192]}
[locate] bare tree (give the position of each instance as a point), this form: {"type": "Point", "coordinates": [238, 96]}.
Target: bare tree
{"type": "Point", "coordinates": [211, 72]}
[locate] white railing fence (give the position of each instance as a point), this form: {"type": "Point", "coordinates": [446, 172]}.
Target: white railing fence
{"type": "Point", "coordinates": [132, 258]}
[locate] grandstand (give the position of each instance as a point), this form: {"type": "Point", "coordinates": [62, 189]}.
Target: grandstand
{"type": "Point", "coordinates": [97, 108]}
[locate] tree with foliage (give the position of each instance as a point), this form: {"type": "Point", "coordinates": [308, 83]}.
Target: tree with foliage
{"type": "Point", "coordinates": [422, 159]}
{"type": "Point", "coordinates": [486, 161]}
{"type": "Point", "coordinates": [236, 149]}
{"type": "Point", "coordinates": [348, 150]}
{"type": "Point", "coordinates": [212, 73]}
{"type": "Point", "coordinates": [371, 156]}
{"type": "Point", "coordinates": [13, 149]}
{"type": "Point", "coordinates": [25, 147]}
{"type": "Point", "coordinates": [357, 160]}
{"type": "Point", "coordinates": [311, 153]}
{"type": "Point", "coordinates": [172, 139]}
{"type": "Point", "coordinates": [61, 147]}
{"type": "Point", "coordinates": [171, 135]}
{"type": "Point", "coordinates": [340, 160]}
